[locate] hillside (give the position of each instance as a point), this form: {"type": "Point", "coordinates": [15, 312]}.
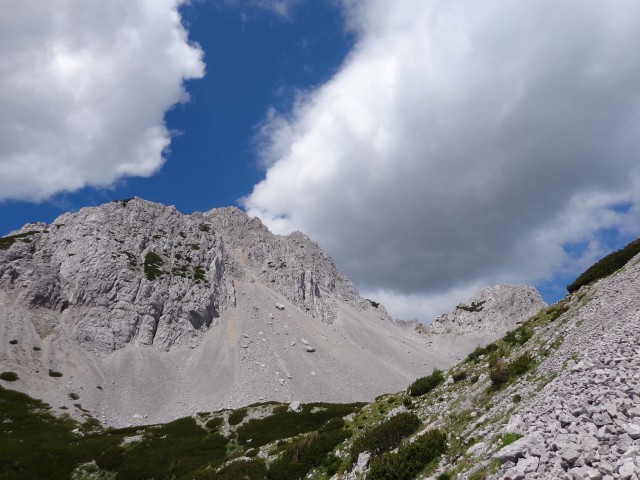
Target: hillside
{"type": "Point", "coordinates": [557, 397]}
{"type": "Point", "coordinates": [143, 314]}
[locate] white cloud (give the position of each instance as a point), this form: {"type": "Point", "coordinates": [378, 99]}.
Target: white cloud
{"type": "Point", "coordinates": [462, 144]}
{"type": "Point", "coordinates": [84, 86]}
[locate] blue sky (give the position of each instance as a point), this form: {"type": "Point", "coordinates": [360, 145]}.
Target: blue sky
{"type": "Point", "coordinates": [432, 148]}
{"type": "Point", "coordinates": [255, 60]}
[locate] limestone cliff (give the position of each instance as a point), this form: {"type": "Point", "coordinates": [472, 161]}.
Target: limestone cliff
{"type": "Point", "coordinates": [493, 310]}
{"type": "Point", "coordinates": [140, 272]}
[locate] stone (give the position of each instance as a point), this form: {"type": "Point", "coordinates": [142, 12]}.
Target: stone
{"type": "Point", "coordinates": [633, 430]}
{"type": "Point", "coordinates": [279, 306]}
{"type": "Point", "coordinates": [627, 470]}
{"type": "Point", "coordinates": [294, 406]}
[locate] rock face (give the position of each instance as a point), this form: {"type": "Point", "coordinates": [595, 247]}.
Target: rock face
{"type": "Point", "coordinates": [572, 413]}
{"type": "Point", "coordinates": [150, 315]}
{"type": "Point", "coordinates": [493, 310]}
{"type": "Point", "coordinates": [139, 272]}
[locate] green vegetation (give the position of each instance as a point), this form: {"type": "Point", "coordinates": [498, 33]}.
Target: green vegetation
{"type": "Point", "coordinates": [605, 267]}
{"type": "Point", "coordinates": [199, 274]}
{"type": "Point", "coordinates": [410, 459]}
{"type": "Point", "coordinates": [133, 261]}
{"type": "Point", "coordinates": [555, 311]}
{"type": "Point", "coordinates": [74, 396]}
{"type": "Point", "coordinates": [480, 351]}
{"type": "Point", "coordinates": [9, 376]}
{"type": "Point", "coordinates": [308, 451]}
{"type": "Point", "coordinates": [54, 374]}
{"type": "Point", "coordinates": [242, 470]}
{"type": "Point", "coordinates": [502, 373]}
{"type": "Point", "coordinates": [152, 264]}
{"type": "Point", "coordinates": [237, 416]}
{"type": "Point", "coordinates": [205, 228]}
{"type": "Point", "coordinates": [214, 423]}
{"type": "Point", "coordinates": [373, 303]}
{"type": "Point", "coordinates": [459, 376]}
{"type": "Point", "coordinates": [177, 448]}
{"type": "Point", "coordinates": [37, 349]}
{"type": "Point", "coordinates": [474, 307]}
{"type": "Point", "coordinates": [426, 384]}
{"type": "Point", "coordinates": [124, 202]}
{"type": "Point", "coordinates": [385, 436]}
{"type": "Point", "coordinates": [509, 438]}
{"type": "Point", "coordinates": [13, 342]}
{"type": "Point", "coordinates": [285, 424]}
{"type": "Point", "coordinates": [519, 336]}
{"type": "Point", "coordinates": [6, 242]}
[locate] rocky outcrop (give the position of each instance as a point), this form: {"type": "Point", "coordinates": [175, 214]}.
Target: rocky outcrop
{"type": "Point", "coordinates": [586, 422]}
{"type": "Point", "coordinates": [293, 265]}
{"type": "Point", "coordinates": [137, 272]}
{"type": "Point", "coordinates": [573, 412]}
{"type": "Point", "coordinates": [492, 310]}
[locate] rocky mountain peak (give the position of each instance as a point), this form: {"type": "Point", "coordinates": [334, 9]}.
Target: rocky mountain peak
{"type": "Point", "coordinates": [493, 309]}
{"type": "Point", "coordinates": [136, 271]}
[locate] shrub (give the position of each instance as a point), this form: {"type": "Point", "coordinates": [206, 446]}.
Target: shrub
{"type": "Point", "coordinates": [152, 264]}
{"type": "Point", "coordinates": [37, 349]}
{"type": "Point", "coordinates": [474, 379]}
{"type": "Point", "coordinates": [74, 396]}
{"type": "Point", "coordinates": [426, 384]}
{"type": "Point", "coordinates": [54, 374]}
{"type": "Point", "coordinates": [237, 416]}
{"type": "Point", "coordinates": [13, 342]}
{"type": "Point", "coordinates": [459, 376]}
{"type": "Point", "coordinates": [385, 436]}
{"type": "Point", "coordinates": [605, 267]}
{"type": "Point", "coordinates": [499, 375]}
{"type": "Point", "coordinates": [6, 242]}
{"type": "Point", "coordinates": [520, 365]}
{"type": "Point", "coordinates": [519, 336]}
{"type": "Point", "coordinates": [480, 351]}
{"type": "Point", "coordinates": [555, 311]}
{"type": "Point", "coordinates": [9, 376]}
{"type": "Point", "coordinates": [288, 424]}
{"type": "Point", "coordinates": [308, 452]}
{"type": "Point", "coordinates": [254, 469]}
{"type": "Point", "coordinates": [214, 423]}
{"type": "Point", "coordinates": [517, 398]}
{"type": "Point", "coordinates": [444, 476]}
{"type": "Point", "coordinates": [410, 459]}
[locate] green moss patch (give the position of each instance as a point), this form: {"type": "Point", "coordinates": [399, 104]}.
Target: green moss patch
{"type": "Point", "coordinates": [152, 266]}
{"type": "Point", "coordinates": [6, 242]}
{"type": "Point", "coordinates": [285, 424]}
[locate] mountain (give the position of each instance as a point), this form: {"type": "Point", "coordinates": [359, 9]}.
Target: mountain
{"type": "Point", "coordinates": [491, 310]}
{"type": "Point", "coordinates": [149, 314]}
{"type": "Point", "coordinates": [557, 397]}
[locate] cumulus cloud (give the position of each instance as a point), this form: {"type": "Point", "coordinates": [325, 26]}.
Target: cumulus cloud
{"type": "Point", "coordinates": [84, 86]}
{"type": "Point", "coordinates": [462, 144]}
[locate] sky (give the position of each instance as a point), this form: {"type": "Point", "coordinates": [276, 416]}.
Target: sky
{"type": "Point", "coordinates": [431, 147]}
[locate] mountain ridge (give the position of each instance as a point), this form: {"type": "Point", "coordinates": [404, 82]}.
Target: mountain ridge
{"type": "Point", "coordinates": [170, 314]}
